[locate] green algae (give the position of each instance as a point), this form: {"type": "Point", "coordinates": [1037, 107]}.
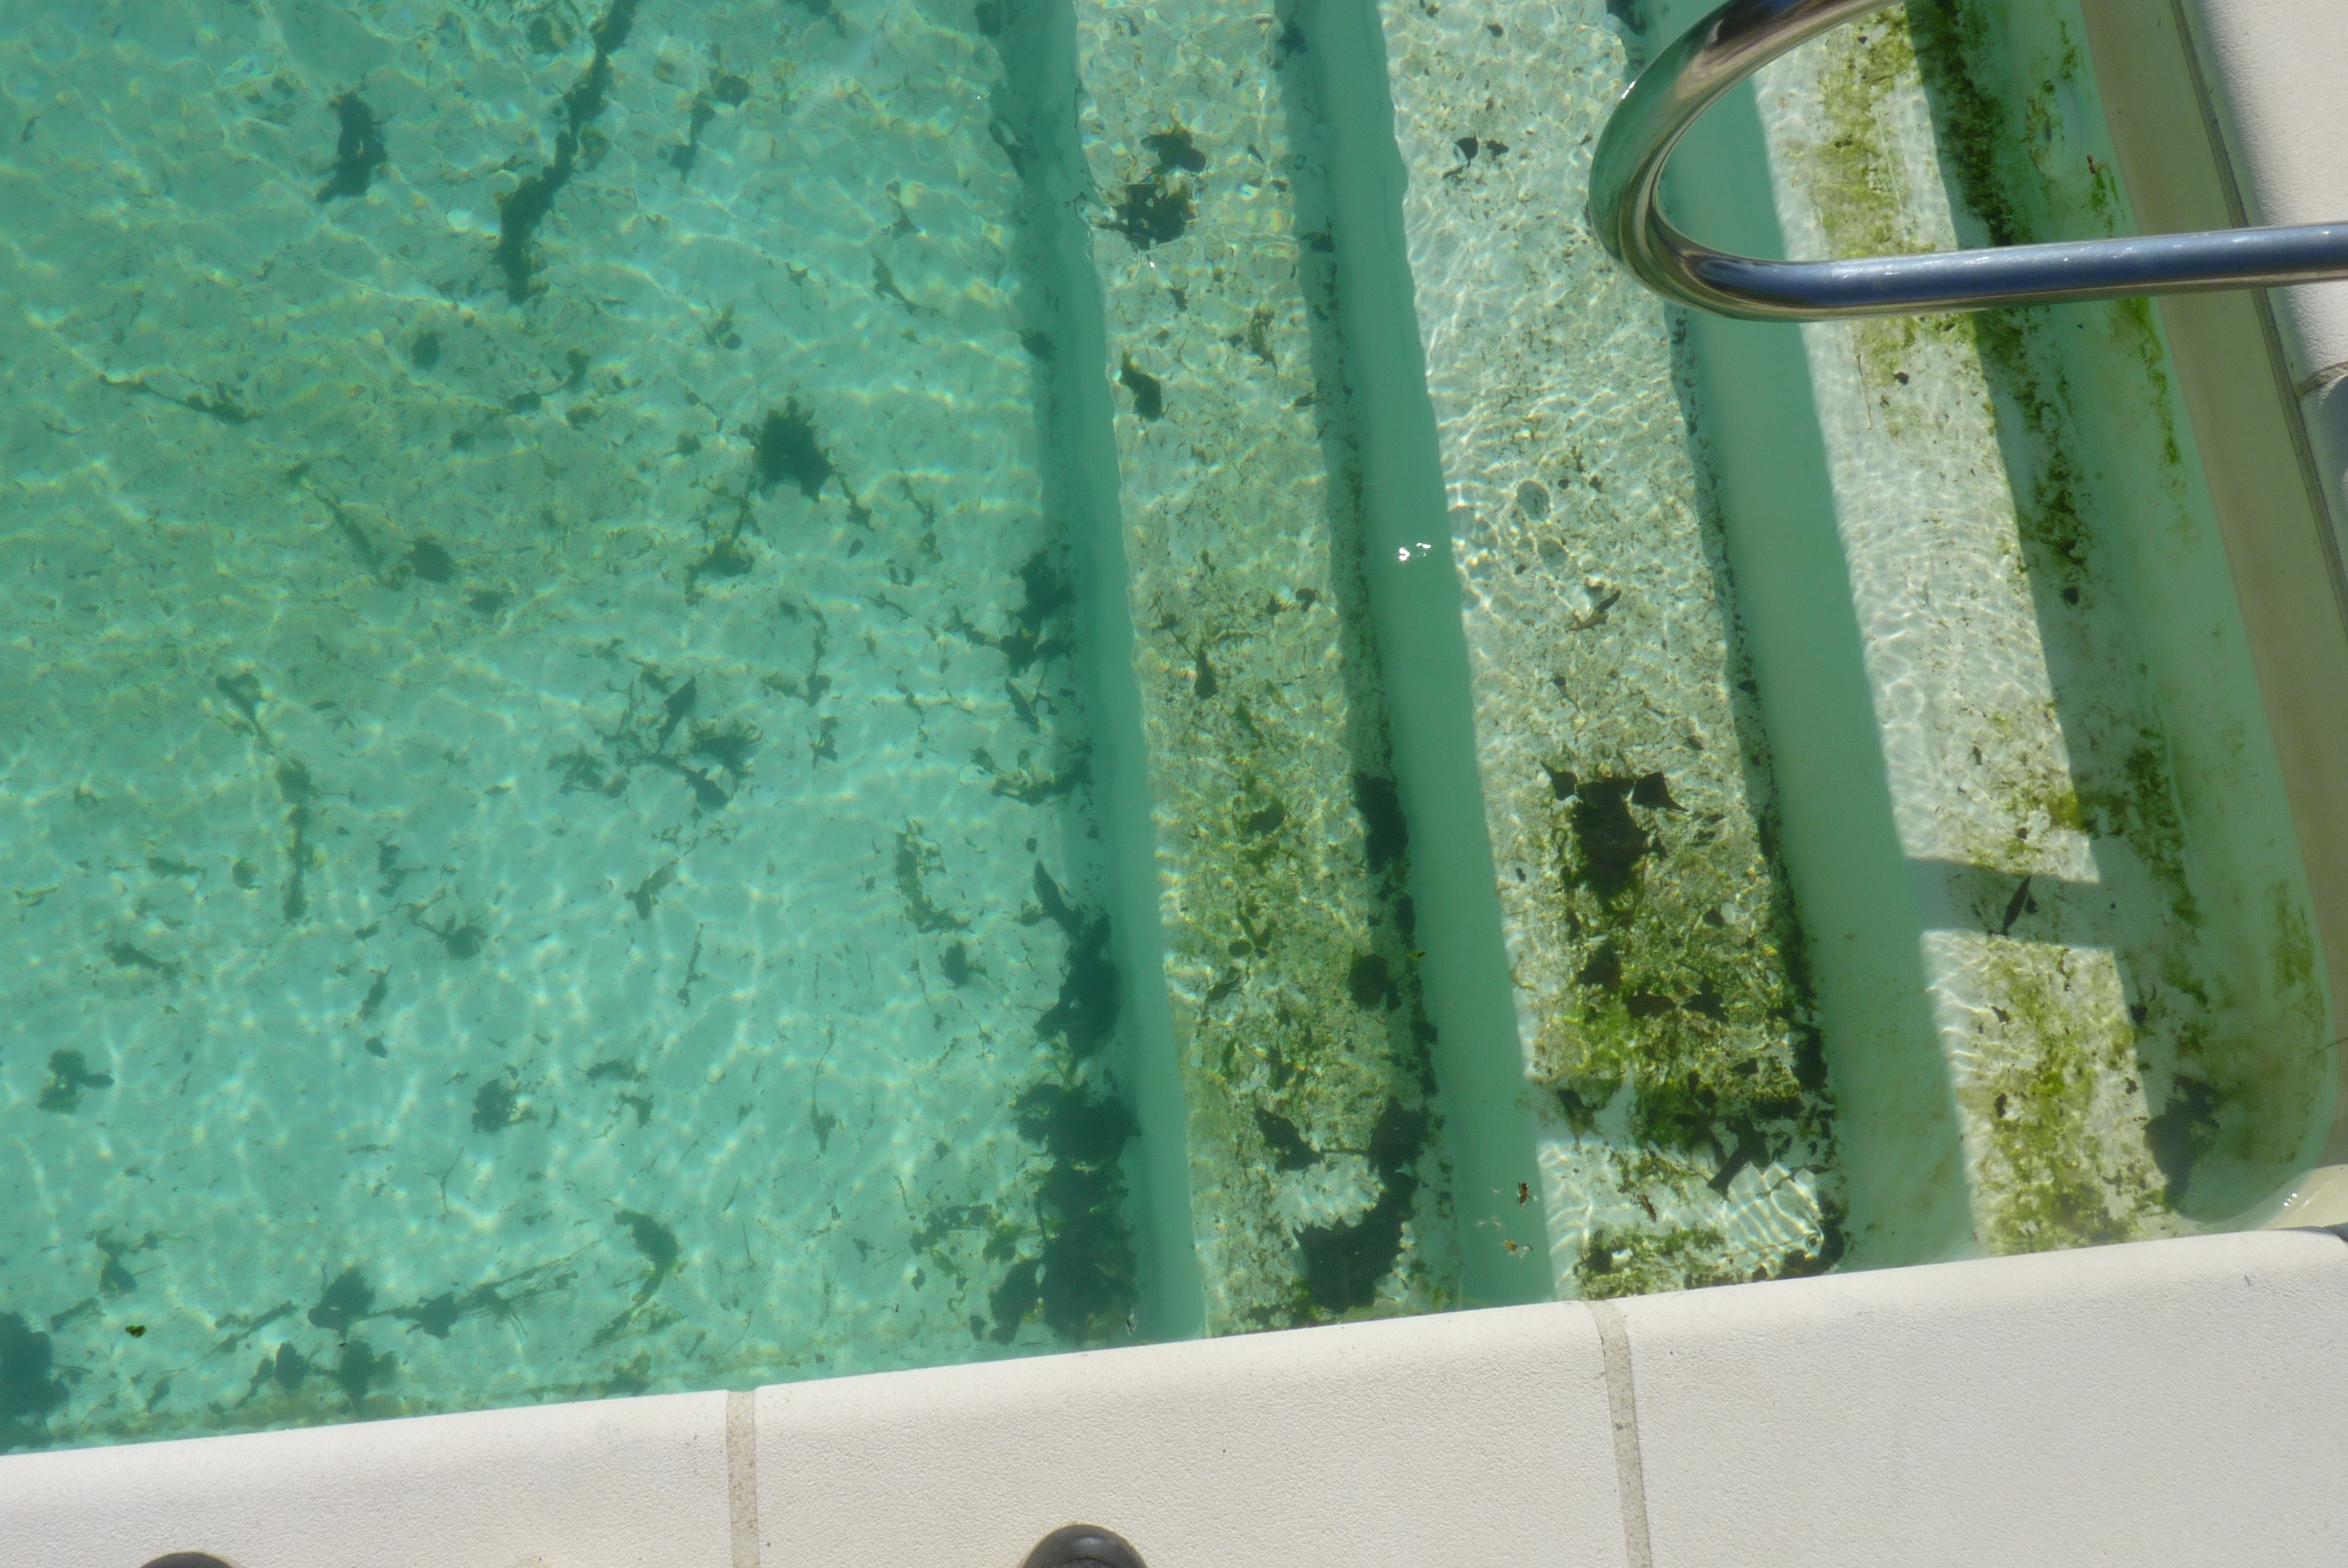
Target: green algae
{"type": "Point", "coordinates": [70, 1075]}
{"type": "Point", "coordinates": [1642, 1263]}
{"type": "Point", "coordinates": [1857, 192]}
{"type": "Point", "coordinates": [1707, 1022]}
{"type": "Point", "coordinates": [1085, 1015]}
{"type": "Point", "coordinates": [346, 1298]}
{"type": "Point", "coordinates": [916, 859]}
{"type": "Point", "coordinates": [358, 1370]}
{"type": "Point", "coordinates": [496, 1105]}
{"type": "Point", "coordinates": [1073, 1262]}
{"type": "Point", "coordinates": [1343, 1263]}
{"type": "Point", "coordinates": [359, 149]}
{"type": "Point", "coordinates": [1853, 179]}
{"type": "Point", "coordinates": [30, 1388]}
{"type": "Point", "coordinates": [784, 447]}
{"type": "Point", "coordinates": [657, 1243]}
{"type": "Point", "coordinates": [1154, 211]}
{"type": "Point", "coordinates": [1082, 1279]}
{"type": "Point", "coordinates": [2088, 1129]}
{"type": "Point", "coordinates": [2050, 1175]}
{"type": "Point", "coordinates": [1148, 392]}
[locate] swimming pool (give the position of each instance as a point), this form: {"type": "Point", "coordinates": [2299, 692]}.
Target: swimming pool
{"type": "Point", "coordinates": [711, 695]}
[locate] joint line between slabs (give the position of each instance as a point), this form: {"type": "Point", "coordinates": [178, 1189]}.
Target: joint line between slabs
{"type": "Point", "coordinates": [1622, 1409]}
{"type": "Point", "coordinates": [742, 1476]}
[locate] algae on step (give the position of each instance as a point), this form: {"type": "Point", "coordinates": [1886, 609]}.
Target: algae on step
{"type": "Point", "coordinates": [2111, 898]}
{"type": "Point", "coordinates": [1656, 959]}
{"type": "Point", "coordinates": [1317, 1190]}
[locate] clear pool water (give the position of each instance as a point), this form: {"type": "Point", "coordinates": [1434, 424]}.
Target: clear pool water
{"type": "Point", "coordinates": [702, 694]}
{"type": "Point", "coordinates": [553, 807]}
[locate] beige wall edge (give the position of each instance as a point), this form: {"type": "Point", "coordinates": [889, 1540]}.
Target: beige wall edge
{"type": "Point", "coordinates": [2275, 69]}
{"type": "Point", "coordinates": [2273, 480]}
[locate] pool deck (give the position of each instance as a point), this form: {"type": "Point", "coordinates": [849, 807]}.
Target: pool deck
{"type": "Point", "coordinates": [2176, 1402]}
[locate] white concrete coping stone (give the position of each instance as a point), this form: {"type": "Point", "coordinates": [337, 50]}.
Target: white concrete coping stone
{"type": "Point", "coordinates": [2170, 1402]}
{"type": "Point", "coordinates": [1475, 1438]}
{"type": "Point", "coordinates": [622, 1483]}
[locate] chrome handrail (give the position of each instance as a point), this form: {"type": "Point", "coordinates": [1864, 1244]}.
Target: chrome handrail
{"type": "Point", "coordinates": [1742, 36]}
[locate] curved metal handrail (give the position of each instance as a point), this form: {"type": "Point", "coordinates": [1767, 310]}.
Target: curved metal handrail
{"type": "Point", "coordinates": [1744, 35]}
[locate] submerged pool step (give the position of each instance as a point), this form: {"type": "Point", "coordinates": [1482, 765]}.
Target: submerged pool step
{"type": "Point", "coordinates": [2113, 928]}
{"type": "Point", "coordinates": [1281, 842]}
{"type": "Point", "coordinates": [1665, 1018]}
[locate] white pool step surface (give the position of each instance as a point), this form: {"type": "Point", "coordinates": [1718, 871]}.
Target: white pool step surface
{"type": "Point", "coordinates": [2179, 1401]}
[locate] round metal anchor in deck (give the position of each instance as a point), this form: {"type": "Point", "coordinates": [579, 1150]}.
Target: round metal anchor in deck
{"type": "Point", "coordinates": [1084, 1546]}
{"type": "Point", "coordinates": [1733, 43]}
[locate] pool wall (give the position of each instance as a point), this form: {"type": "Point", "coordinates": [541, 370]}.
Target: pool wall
{"type": "Point", "coordinates": [1492, 1126]}
{"type": "Point", "coordinates": [1062, 305]}
{"type": "Point", "coordinates": [2263, 369]}
{"type": "Point", "coordinates": [2268, 67]}
{"type": "Point", "coordinates": [2126, 1027]}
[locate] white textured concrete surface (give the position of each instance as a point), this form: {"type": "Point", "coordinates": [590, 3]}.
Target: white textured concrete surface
{"type": "Point", "coordinates": [2182, 1401]}
{"type": "Point", "coordinates": [626, 1483]}
{"type": "Point", "coordinates": [2178, 1401]}
{"type": "Point", "coordinates": [1475, 1438]}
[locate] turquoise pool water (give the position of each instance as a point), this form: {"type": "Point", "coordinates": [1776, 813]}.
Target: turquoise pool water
{"type": "Point", "coordinates": [553, 815]}
{"type": "Point", "coordinates": [702, 694]}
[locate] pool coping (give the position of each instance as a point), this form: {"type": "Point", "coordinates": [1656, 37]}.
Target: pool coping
{"type": "Point", "coordinates": [2163, 1401]}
